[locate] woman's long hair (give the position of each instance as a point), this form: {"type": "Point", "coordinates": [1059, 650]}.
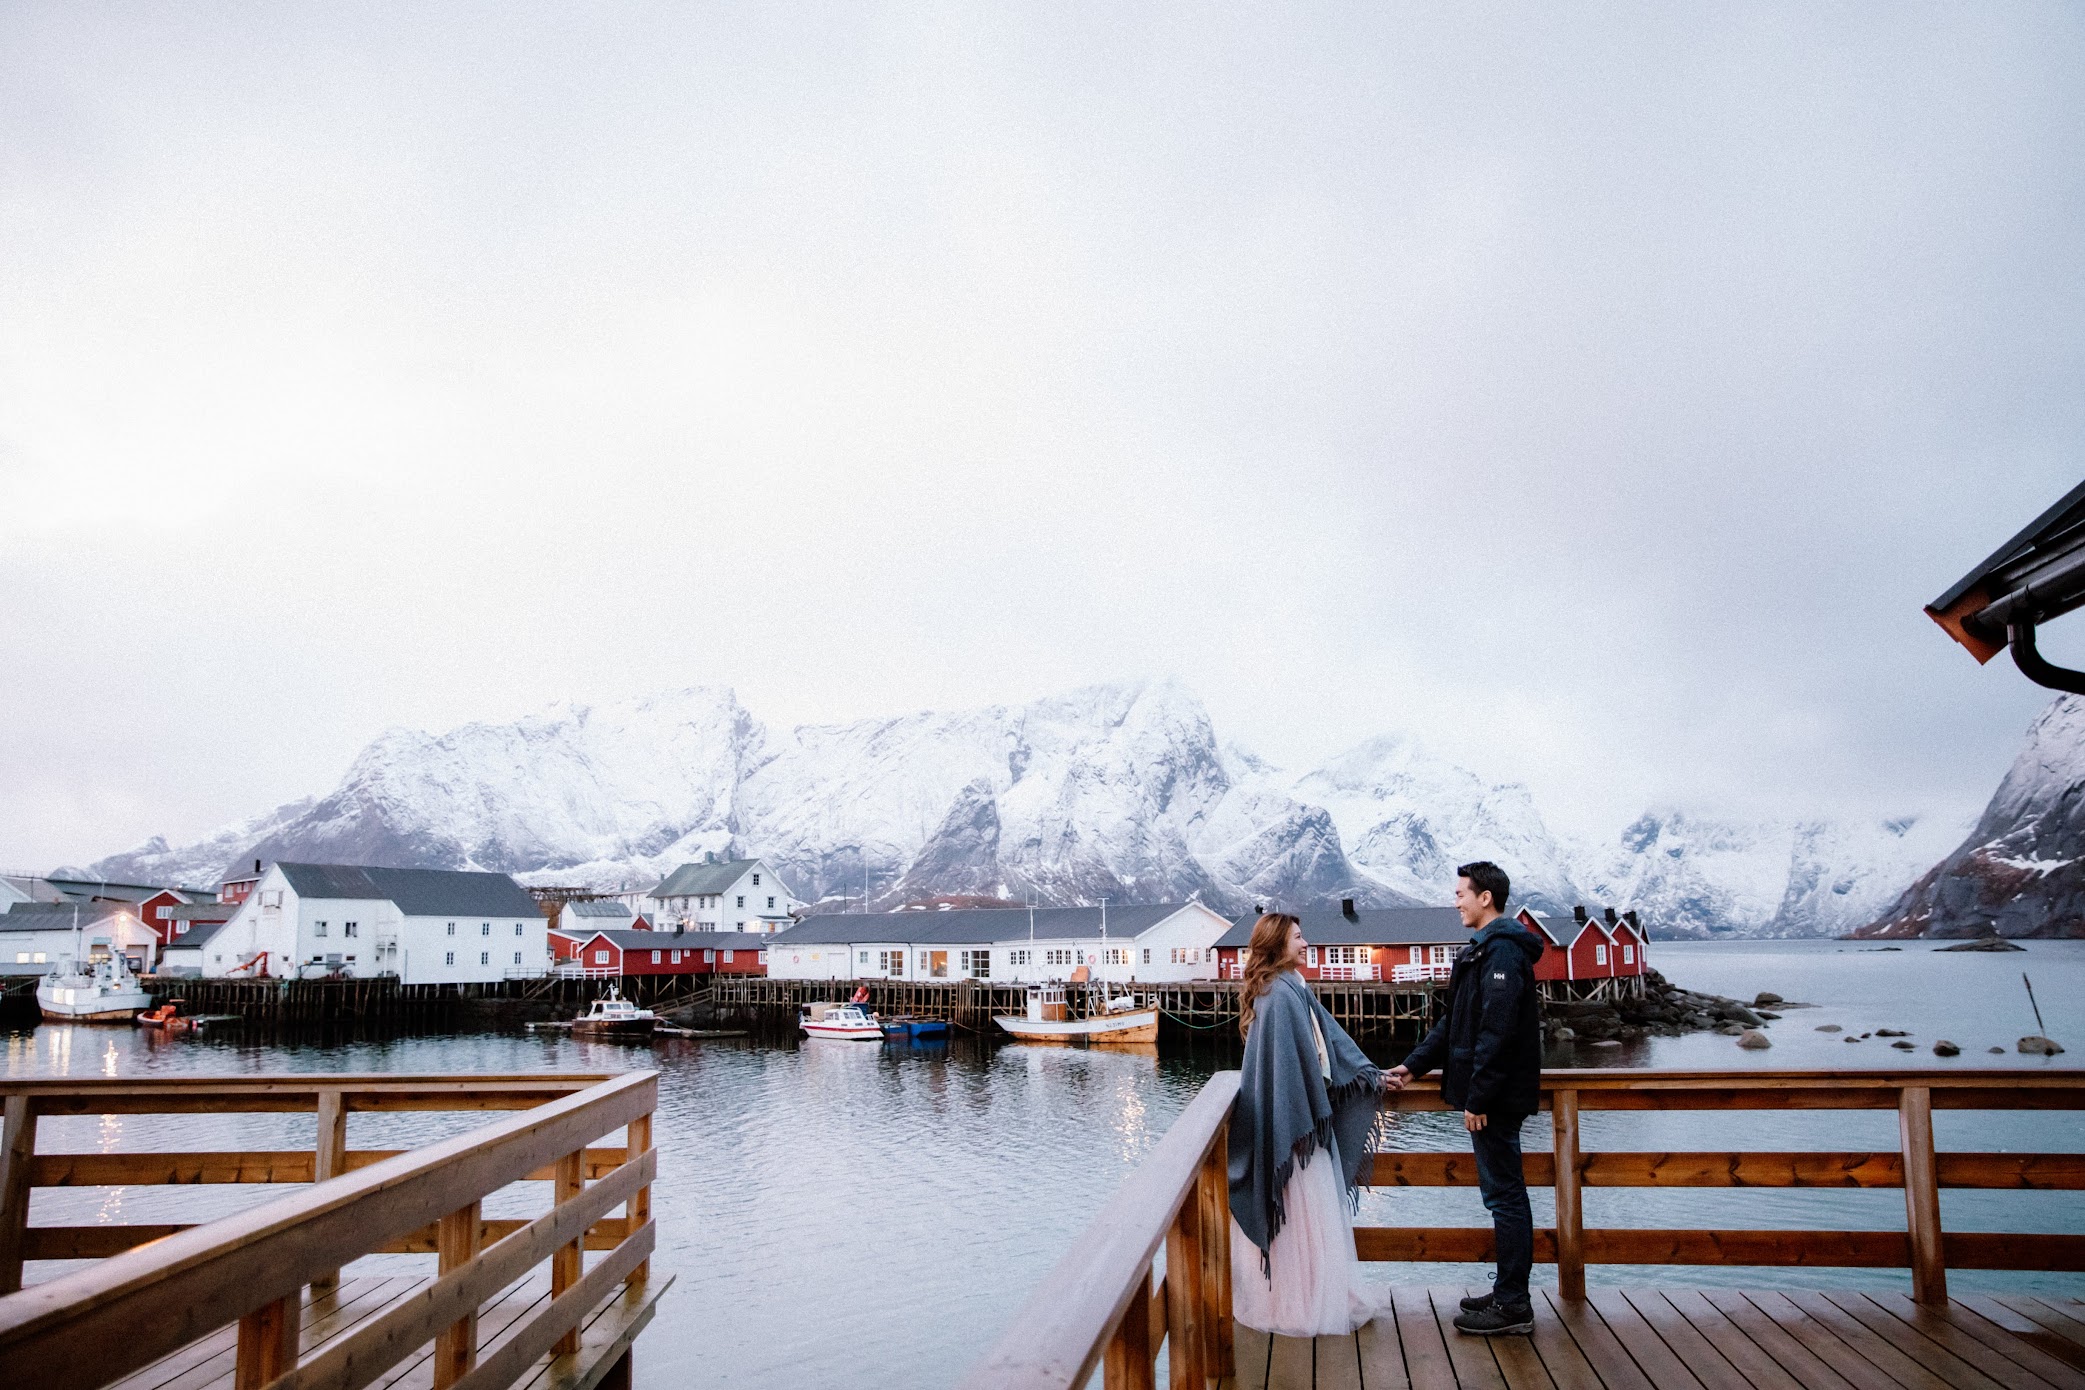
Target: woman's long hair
{"type": "Point", "coordinates": [1265, 958]}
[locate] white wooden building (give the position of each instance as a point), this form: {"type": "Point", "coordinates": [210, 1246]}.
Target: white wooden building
{"type": "Point", "coordinates": [720, 895]}
{"type": "Point", "coordinates": [34, 937]}
{"type": "Point", "coordinates": [1163, 941]}
{"type": "Point", "coordinates": [426, 926]}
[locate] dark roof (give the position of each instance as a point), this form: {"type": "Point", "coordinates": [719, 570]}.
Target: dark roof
{"type": "Point", "coordinates": [201, 912]}
{"type": "Point", "coordinates": [2047, 555]}
{"type": "Point", "coordinates": [1563, 928]}
{"type": "Point", "coordinates": [81, 889]}
{"type": "Point", "coordinates": [196, 935]}
{"type": "Point", "coordinates": [711, 877]}
{"type": "Point", "coordinates": [976, 925]}
{"type": "Point", "coordinates": [417, 892]}
{"type": "Point", "coordinates": [631, 939]}
{"type": "Point", "coordinates": [598, 907]}
{"type": "Point", "coordinates": [58, 916]}
{"type": "Point", "coordinates": [1369, 926]}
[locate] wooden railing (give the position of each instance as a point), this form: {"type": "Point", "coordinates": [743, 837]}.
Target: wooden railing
{"type": "Point", "coordinates": [1098, 1305]}
{"type": "Point", "coordinates": [159, 1288]}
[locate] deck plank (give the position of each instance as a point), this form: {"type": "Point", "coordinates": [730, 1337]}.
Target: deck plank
{"type": "Point", "coordinates": [1567, 1366]}
{"type": "Point", "coordinates": [1476, 1365]}
{"type": "Point", "coordinates": [1604, 1351]}
{"type": "Point", "coordinates": [1965, 1326]}
{"type": "Point", "coordinates": [1756, 1366]}
{"type": "Point", "coordinates": [1382, 1354]}
{"type": "Point", "coordinates": [1686, 1341]}
{"type": "Point", "coordinates": [1425, 1352]}
{"type": "Point", "coordinates": [1339, 1363]}
{"type": "Point", "coordinates": [1923, 1349]}
{"type": "Point", "coordinates": [1829, 1346]}
{"type": "Point", "coordinates": [1902, 1368]}
{"type": "Point", "coordinates": [1291, 1366]}
{"type": "Point", "coordinates": [2053, 1316]}
{"type": "Point", "coordinates": [1786, 1347]}
{"type": "Point", "coordinates": [1250, 1346]}
{"type": "Point", "coordinates": [1644, 1346]}
{"type": "Point", "coordinates": [2026, 1329]}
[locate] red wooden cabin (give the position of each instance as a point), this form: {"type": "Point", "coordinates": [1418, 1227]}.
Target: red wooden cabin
{"type": "Point", "coordinates": [1580, 947]}
{"type": "Point", "coordinates": [632, 952]}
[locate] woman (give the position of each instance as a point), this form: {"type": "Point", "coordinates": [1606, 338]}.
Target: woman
{"type": "Point", "coordinates": [1299, 1146]}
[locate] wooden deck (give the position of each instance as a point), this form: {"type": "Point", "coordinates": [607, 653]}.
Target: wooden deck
{"type": "Point", "coordinates": [1692, 1339]}
{"type": "Point", "coordinates": [330, 1317]}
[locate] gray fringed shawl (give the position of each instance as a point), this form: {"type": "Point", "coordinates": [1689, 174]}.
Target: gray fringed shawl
{"type": "Point", "coordinates": [1287, 1110]}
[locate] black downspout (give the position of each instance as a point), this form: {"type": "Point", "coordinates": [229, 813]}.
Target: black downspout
{"type": "Point", "coordinates": [2029, 659]}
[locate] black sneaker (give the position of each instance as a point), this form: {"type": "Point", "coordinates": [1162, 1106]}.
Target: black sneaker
{"type": "Point", "coordinates": [1496, 1321]}
{"type": "Point", "coordinates": [1478, 1302]}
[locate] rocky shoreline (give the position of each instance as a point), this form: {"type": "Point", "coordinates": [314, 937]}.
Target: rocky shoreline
{"type": "Point", "coordinates": [1664, 1011]}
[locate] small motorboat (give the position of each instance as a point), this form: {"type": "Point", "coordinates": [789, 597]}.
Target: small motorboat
{"type": "Point", "coordinates": [167, 1019]}
{"type": "Point", "coordinates": [842, 1022]}
{"type": "Point", "coordinates": [613, 1016]}
{"type": "Point", "coordinates": [917, 1029]}
{"type": "Point", "coordinates": [1122, 1019]}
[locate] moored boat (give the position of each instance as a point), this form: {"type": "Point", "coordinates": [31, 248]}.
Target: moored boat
{"type": "Point", "coordinates": [843, 1022]}
{"type": "Point", "coordinates": [613, 1016]}
{"type": "Point", "coordinates": [167, 1018]}
{"type": "Point", "coordinates": [919, 1029]}
{"type": "Point", "coordinates": [103, 992]}
{"type": "Point", "coordinates": [1122, 1019]}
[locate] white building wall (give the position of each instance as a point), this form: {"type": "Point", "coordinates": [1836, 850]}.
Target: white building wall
{"type": "Point", "coordinates": [471, 950]}
{"type": "Point", "coordinates": [253, 929]}
{"type": "Point", "coordinates": [745, 906]}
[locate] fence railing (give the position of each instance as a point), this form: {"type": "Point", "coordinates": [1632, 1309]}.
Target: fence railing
{"type": "Point", "coordinates": [1097, 1306]}
{"type": "Point", "coordinates": [158, 1288]}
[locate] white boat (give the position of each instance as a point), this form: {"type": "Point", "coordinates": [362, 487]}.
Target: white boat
{"type": "Point", "coordinates": [846, 1022]}
{"type": "Point", "coordinates": [1122, 1019]}
{"type": "Point", "coordinates": [614, 1017]}
{"type": "Point", "coordinates": [102, 992]}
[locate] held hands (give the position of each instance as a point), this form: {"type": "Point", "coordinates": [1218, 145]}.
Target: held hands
{"type": "Point", "coordinates": [1395, 1079]}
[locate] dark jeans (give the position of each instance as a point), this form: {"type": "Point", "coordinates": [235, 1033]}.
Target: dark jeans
{"type": "Point", "coordinates": [1506, 1198]}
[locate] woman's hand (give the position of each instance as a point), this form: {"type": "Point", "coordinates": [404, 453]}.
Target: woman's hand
{"type": "Point", "coordinates": [1395, 1079]}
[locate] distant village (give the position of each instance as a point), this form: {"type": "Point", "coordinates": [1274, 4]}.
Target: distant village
{"type": "Point", "coordinates": [286, 920]}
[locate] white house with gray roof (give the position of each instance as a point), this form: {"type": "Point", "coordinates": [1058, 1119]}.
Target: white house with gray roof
{"type": "Point", "coordinates": [721, 895]}
{"type": "Point", "coordinates": [35, 936]}
{"type": "Point", "coordinates": [426, 926]}
{"type": "Point", "coordinates": [1154, 942]}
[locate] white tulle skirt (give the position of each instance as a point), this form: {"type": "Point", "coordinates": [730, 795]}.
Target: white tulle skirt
{"type": "Point", "coordinates": [1315, 1287]}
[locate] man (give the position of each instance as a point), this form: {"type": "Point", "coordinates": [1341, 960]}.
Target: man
{"type": "Point", "coordinates": [1488, 1044]}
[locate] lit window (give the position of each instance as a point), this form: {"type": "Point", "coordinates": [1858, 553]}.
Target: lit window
{"type": "Point", "coordinates": [21, 958]}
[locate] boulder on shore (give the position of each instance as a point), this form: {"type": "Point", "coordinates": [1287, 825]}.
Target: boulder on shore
{"type": "Point", "coordinates": [1985, 943]}
{"type": "Point", "coordinates": [1764, 998]}
{"type": "Point", "coordinates": [1944, 1048]}
{"type": "Point", "coordinates": [1753, 1038]}
{"type": "Point", "coordinates": [2035, 1045]}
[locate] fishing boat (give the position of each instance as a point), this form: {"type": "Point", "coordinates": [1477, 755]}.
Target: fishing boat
{"type": "Point", "coordinates": [843, 1022]}
{"type": "Point", "coordinates": [99, 992]}
{"type": "Point", "coordinates": [1123, 1018]}
{"type": "Point", "coordinates": [916, 1029]}
{"type": "Point", "coordinates": [613, 1016]}
{"type": "Point", "coordinates": [167, 1019]}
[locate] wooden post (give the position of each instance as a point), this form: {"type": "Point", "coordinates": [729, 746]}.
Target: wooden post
{"type": "Point", "coordinates": [565, 1261]}
{"type": "Point", "coordinates": [1921, 1194]}
{"type": "Point", "coordinates": [17, 1156]}
{"type": "Point", "coordinates": [330, 1160]}
{"type": "Point", "coordinates": [267, 1344]}
{"type": "Point", "coordinates": [1129, 1356]}
{"type": "Point", "coordinates": [1563, 1113]}
{"type": "Point", "coordinates": [456, 1346]}
{"type": "Point", "coordinates": [1219, 1357]}
{"type": "Point", "coordinates": [1184, 1298]}
{"type": "Point", "coordinates": [638, 1210]}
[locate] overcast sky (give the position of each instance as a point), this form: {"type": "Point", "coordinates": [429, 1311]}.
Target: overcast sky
{"type": "Point", "coordinates": [1598, 397]}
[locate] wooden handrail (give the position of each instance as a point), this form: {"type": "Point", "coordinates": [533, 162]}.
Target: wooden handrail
{"type": "Point", "coordinates": [1064, 1329]}
{"type": "Point", "coordinates": [1081, 1313]}
{"type": "Point", "coordinates": [139, 1305]}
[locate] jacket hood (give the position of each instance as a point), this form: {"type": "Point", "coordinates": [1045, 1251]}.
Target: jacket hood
{"type": "Point", "coordinates": [1509, 930]}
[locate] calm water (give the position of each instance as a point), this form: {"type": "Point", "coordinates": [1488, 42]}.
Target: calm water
{"type": "Point", "coordinates": [881, 1212]}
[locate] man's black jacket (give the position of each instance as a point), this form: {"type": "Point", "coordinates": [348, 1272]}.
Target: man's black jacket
{"type": "Point", "coordinates": [1488, 1044]}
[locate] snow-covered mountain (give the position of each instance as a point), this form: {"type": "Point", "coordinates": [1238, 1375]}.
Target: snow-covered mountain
{"type": "Point", "coordinates": [1121, 791]}
{"type": "Point", "coordinates": [2021, 870]}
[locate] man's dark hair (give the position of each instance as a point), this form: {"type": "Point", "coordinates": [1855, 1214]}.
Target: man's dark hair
{"type": "Point", "coordinates": [1487, 877]}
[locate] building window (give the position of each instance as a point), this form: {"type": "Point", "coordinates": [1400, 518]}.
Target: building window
{"type": "Point", "coordinates": [449, 958]}
{"type": "Point", "coordinates": [601, 957]}
{"type": "Point", "coordinates": [517, 957]}
{"type": "Point", "coordinates": [655, 958]}
{"type": "Point", "coordinates": [771, 902]}
{"type": "Point", "coordinates": [162, 913]}
{"type": "Point", "coordinates": [517, 928]}
{"type": "Point", "coordinates": [21, 957]}
{"type": "Point", "coordinates": [318, 928]}
{"type": "Point", "coordinates": [452, 929]}
{"type": "Point", "coordinates": [742, 900]}
{"type": "Point", "coordinates": [484, 957]}
{"type": "Point", "coordinates": [1018, 957]}
{"type": "Point", "coordinates": [1628, 955]}
{"type": "Point", "coordinates": [485, 930]}
{"type": "Point", "coordinates": [1313, 955]}
{"type": "Point", "coordinates": [350, 928]}
{"type": "Point", "coordinates": [864, 957]}
{"type": "Point", "coordinates": [1061, 956]}
{"type": "Point", "coordinates": [1599, 955]}
{"type": "Point", "coordinates": [978, 964]}
{"type": "Point", "coordinates": [180, 928]}
{"type": "Point", "coordinates": [709, 957]}
{"type": "Point", "coordinates": [727, 957]}
{"type": "Point", "coordinates": [756, 880]}
{"type": "Point", "coordinates": [891, 962]}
